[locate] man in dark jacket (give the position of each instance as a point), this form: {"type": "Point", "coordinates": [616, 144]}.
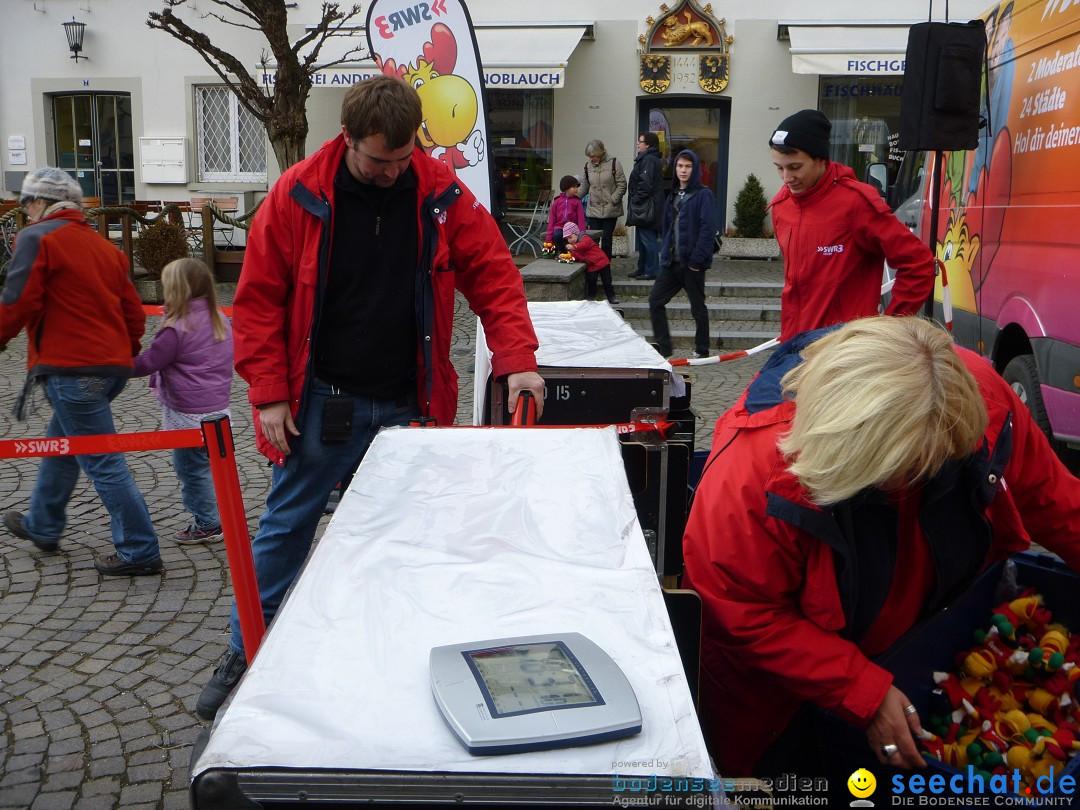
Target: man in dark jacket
{"type": "Point", "coordinates": [685, 253]}
{"type": "Point", "coordinates": [646, 209]}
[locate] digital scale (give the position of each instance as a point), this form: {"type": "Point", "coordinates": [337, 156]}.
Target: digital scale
{"type": "Point", "coordinates": [530, 693]}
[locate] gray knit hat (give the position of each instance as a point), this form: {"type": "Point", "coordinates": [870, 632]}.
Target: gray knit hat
{"type": "Point", "coordinates": [48, 183]}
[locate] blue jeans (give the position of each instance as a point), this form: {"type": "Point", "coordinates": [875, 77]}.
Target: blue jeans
{"type": "Point", "coordinates": [192, 466]}
{"type": "Point", "coordinates": [299, 489]}
{"type": "Point", "coordinates": [81, 408]}
{"type": "Point", "coordinates": [648, 260]}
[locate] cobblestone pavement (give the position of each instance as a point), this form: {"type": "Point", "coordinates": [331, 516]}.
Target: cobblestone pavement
{"type": "Point", "coordinates": [99, 677]}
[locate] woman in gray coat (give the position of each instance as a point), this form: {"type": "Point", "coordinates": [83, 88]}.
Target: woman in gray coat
{"type": "Point", "coordinates": [604, 181]}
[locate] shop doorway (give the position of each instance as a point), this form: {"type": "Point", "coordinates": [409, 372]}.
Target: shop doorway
{"type": "Point", "coordinates": [698, 124]}
{"type": "Point", "coordinates": [93, 143]}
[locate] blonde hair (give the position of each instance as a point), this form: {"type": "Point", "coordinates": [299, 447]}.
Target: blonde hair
{"type": "Point", "coordinates": [183, 280]}
{"type": "Point", "coordinates": [880, 401]}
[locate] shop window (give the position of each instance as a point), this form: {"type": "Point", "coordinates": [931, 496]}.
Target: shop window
{"type": "Point", "coordinates": [521, 123]}
{"type": "Point", "coordinates": [231, 142]}
{"type": "Point", "coordinates": [865, 114]}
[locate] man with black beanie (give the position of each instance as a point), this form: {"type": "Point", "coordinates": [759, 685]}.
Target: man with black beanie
{"type": "Point", "coordinates": [835, 233]}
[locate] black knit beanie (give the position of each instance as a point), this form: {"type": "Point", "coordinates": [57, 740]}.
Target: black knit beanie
{"type": "Point", "coordinates": [807, 130]}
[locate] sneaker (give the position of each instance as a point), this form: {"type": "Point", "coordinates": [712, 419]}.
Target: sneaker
{"type": "Point", "coordinates": [115, 566]}
{"type": "Point", "coordinates": [192, 534]}
{"type": "Point", "coordinates": [220, 685]}
{"type": "Point", "coordinates": [636, 274]}
{"type": "Point", "coordinates": [613, 300]}
{"type": "Point", "coordinates": [13, 522]}
{"type": "Point", "coordinates": [696, 355]}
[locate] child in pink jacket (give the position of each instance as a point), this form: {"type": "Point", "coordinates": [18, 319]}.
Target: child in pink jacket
{"type": "Point", "coordinates": [565, 208]}
{"type": "Point", "coordinates": [596, 261]}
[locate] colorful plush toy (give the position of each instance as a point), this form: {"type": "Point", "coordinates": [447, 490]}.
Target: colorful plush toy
{"type": "Point", "coordinates": [1012, 703]}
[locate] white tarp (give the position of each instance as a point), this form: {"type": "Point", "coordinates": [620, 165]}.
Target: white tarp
{"type": "Point", "coordinates": [456, 535]}
{"type": "Point", "coordinates": [577, 334]}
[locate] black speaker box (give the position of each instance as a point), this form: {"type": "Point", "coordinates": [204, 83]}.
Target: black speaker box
{"type": "Point", "coordinates": [940, 105]}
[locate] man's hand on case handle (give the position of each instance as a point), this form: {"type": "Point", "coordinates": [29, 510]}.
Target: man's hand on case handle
{"type": "Point", "coordinates": [526, 381]}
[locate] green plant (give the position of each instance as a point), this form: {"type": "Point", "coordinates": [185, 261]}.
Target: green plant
{"type": "Point", "coordinates": [160, 244]}
{"type": "Point", "coordinates": [751, 208]}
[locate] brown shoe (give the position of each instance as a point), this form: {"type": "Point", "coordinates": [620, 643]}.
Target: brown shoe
{"type": "Point", "coordinates": [115, 566]}
{"type": "Point", "coordinates": [13, 522]}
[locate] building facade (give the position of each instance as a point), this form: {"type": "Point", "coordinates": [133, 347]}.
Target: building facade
{"type": "Point", "coordinates": [141, 116]}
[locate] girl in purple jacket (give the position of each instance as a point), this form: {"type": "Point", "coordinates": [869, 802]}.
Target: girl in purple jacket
{"type": "Point", "coordinates": [190, 364]}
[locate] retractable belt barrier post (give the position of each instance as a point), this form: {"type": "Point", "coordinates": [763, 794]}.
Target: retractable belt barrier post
{"type": "Point", "coordinates": [216, 436]}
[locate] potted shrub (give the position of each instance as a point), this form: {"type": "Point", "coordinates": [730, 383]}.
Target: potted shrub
{"type": "Point", "coordinates": [750, 238]}
{"type": "Point", "coordinates": [155, 247]}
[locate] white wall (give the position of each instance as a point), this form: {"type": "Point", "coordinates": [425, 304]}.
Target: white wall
{"type": "Point", "coordinates": [598, 101]}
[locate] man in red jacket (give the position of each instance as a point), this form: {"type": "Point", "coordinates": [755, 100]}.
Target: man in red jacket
{"type": "Point", "coordinates": [70, 289]}
{"type": "Point", "coordinates": [863, 480]}
{"type": "Point", "coordinates": [835, 234]}
{"type": "Point", "coordinates": [343, 315]}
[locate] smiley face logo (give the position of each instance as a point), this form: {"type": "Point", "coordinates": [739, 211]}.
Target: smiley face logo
{"type": "Point", "coordinates": [862, 783]}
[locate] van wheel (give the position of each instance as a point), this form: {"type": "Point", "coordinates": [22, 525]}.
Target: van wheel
{"type": "Point", "coordinates": [1022, 375]}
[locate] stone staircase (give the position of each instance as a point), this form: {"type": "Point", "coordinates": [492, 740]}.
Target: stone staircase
{"type": "Point", "coordinates": [743, 296]}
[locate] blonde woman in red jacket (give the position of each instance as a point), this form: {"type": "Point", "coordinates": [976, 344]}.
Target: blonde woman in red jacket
{"type": "Point", "coordinates": [863, 480]}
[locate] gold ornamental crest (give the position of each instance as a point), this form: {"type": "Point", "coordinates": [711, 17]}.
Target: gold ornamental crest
{"type": "Point", "coordinates": [713, 72]}
{"type": "Point", "coordinates": [655, 72]}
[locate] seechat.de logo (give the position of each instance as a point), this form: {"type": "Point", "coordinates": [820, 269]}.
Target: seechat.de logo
{"type": "Point", "coordinates": [862, 785]}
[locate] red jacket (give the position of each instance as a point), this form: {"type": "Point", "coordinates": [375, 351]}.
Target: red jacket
{"type": "Point", "coordinates": [779, 624]}
{"type": "Point", "coordinates": [274, 310]}
{"type": "Point", "coordinates": [835, 238]}
{"type": "Point", "coordinates": [72, 291]}
{"type": "Point", "coordinates": [586, 250]}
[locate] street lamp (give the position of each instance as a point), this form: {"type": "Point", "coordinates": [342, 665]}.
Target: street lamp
{"type": "Point", "coordinates": [75, 31]}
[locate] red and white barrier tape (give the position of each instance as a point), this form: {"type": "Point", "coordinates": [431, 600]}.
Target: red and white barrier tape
{"type": "Point", "coordinates": [723, 358]}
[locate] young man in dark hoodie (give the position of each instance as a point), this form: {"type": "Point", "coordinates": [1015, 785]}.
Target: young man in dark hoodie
{"type": "Point", "coordinates": [685, 253]}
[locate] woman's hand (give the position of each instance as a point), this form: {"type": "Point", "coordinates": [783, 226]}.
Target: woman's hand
{"type": "Point", "coordinates": [893, 725]}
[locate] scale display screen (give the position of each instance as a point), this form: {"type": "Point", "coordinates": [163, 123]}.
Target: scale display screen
{"type": "Point", "coordinates": [531, 678]}
{"type": "Point", "coordinates": [529, 693]}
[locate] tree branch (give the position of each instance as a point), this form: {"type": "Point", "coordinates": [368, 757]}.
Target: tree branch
{"type": "Point", "coordinates": [217, 16]}
{"type": "Point", "coordinates": [221, 62]}
{"type": "Point", "coordinates": [325, 28]}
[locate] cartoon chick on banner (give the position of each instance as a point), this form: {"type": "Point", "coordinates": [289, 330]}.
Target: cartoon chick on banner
{"type": "Point", "coordinates": [431, 46]}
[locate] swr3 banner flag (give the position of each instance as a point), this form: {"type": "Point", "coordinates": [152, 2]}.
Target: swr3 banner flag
{"type": "Point", "coordinates": [431, 45]}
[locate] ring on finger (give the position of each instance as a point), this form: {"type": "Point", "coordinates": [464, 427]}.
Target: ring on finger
{"type": "Point", "coordinates": [910, 710]}
{"type": "Point", "coordinates": [889, 750]}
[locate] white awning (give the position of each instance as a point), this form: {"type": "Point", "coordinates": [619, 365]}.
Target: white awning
{"type": "Point", "coordinates": [513, 57]}
{"type": "Point", "coordinates": [526, 57]}
{"type": "Point", "coordinates": [863, 50]}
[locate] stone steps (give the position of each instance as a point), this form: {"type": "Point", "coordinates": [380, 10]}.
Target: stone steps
{"type": "Point", "coordinates": [743, 297]}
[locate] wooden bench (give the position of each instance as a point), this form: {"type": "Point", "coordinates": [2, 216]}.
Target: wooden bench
{"type": "Point", "coordinates": [551, 280]}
